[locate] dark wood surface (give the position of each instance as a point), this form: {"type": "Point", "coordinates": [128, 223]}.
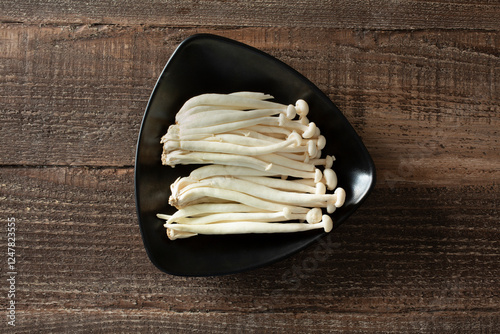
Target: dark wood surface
{"type": "Point", "coordinates": [419, 81]}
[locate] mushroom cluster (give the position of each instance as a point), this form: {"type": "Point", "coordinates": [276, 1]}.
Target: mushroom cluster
{"type": "Point", "coordinates": [262, 168]}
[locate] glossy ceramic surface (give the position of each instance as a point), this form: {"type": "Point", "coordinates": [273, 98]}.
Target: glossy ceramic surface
{"type": "Point", "coordinates": [212, 64]}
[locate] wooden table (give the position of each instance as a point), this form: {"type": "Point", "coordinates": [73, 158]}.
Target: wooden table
{"type": "Point", "coordinates": [419, 81]}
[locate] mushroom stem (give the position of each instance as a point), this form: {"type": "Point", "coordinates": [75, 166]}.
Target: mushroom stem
{"type": "Point", "coordinates": [227, 127]}
{"type": "Point", "coordinates": [245, 227]}
{"type": "Point", "coordinates": [308, 131]}
{"type": "Point", "coordinates": [253, 95]}
{"type": "Point", "coordinates": [241, 139]}
{"type": "Point", "coordinates": [198, 110]}
{"type": "Point", "coordinates": [233, 100]}
{"type": "Point", "coordinates": [270, 130]}
{"type": "Point", "coordinates": [207, 208]}
{"type": "Point", "coordinates": [313, 216]}
{"type": "Point", "coordinates": [220, 147]}
{"type": "Point", "coordinates": [218, 117]}
{"type": "Point", "coordinates": [327, 162]}
{"type": "Point", "coordinates": [280, 160]}
{"type": "Point", "coordinates": [220, 170]}
{"type": "Point", "coordinates": [279, 184]}
{"type": "Point", "coordinates": [316, 175]}
{"type": "Point", "coordinates": [191, 195]}
{"type": "Point", "coordinates": [258, 135]}
{"type": "Point", "coordinates": [270, 194]}
{"type": "Point", "coordinates": [173, 234]}
{"type": "Point", "coordinates": [184, 158]}
{"type": "Point", "coordinates": [298, 156]}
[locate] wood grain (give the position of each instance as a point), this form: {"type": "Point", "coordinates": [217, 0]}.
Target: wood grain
{"type": "Point", "coordinates": [412, 259]}
{"type": "Point", "coordinates": [418, 80]}
{"type": "Point", "coordinates": [356, 14]}
{"type": "Point", "coordinates": [425, 103]}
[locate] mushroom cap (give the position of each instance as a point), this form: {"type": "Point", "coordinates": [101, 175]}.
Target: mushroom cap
{"type": "Point", "coordinates": [302, 107]}
{"type": "Point", "coordinates": [313, 216]}
{"type": "Point", "coordinates": [340, 197]}
{"type": "Point", "coordinates": [312, 149]}
{"type": "Point", "coordinates": [291, 112]}
{"type": "Point", "coordinates": [317, 176]}
{"type": "Point", "coordinates": [321, 143]}
{"type": "Point", "coordinates": [328, 162]}
{"type": "Point", "coordinates": [310, 131]}
{"type": "Point", "coordinates": [330, 178]}
{"type": "Point", "coordinates": [320, 188]}
{"type": "Point", "coordinates": [330, 208]}
{"type": "Point", "coordinates": [328, 222]}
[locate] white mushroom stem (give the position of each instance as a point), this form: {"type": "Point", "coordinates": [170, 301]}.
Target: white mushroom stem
{"type": "Point", "coordinates": [231, 217]}
{"type": "Point", "coordinates": [179, 184]}
{"type": "Point", "coordinates": [308, 182]}
{"type": "Point", "coordinates": [173, 234]}
{"type": "Point", "coordinates": [298, 156]}
{"type": "Point", "coordinates": [258, 135]}
{"type": "Point", "coordinates": [253, 95]}
{"type": "Point", "coordinates": [227, 127]}
{"type": "Point", "coordinates": [315, 175]}
{"type": "Point", "coordinates": [220, 170]}
{"type": "Point", "coordinates": [163, 216]}
{"type": "Point", "coordinates": [207, 208]}
{"type": "Point", "coordinates": [245, 227]}
{"type": "Point", "coordinates": [184, 184]}
{"type": "Point", "coordinates": [241, 139]}
{"type": "Point", "coordinates": [280, 184]}
{"type": "Point", "coordinates": [269, 130]}
{"type": "Point", "coordinates": [313, 216]}
{"type": "Point", "coordinates": [199, 110]}
{"type": "Point", "coordinates": [195, 194]}
{"type": "Point", "coordinates": [212, 118]}
{"type": "Point", "coordinates": [212, 115]}
{"type": "Point", "coordinates": [238, 137]}
{"type": "Point", "coordinates": [277, 159]}
{"type": "Point", "coordinates": [174, 134]}
{"type": "Point", "coordinates": [327, 162]}
{"type": "Point", "coordinates": [180, 157]}
{"type": "Point", "coordinates": [184, 158]}
{"type": "Point", "coordinates": [308, 131]}
{"type": "Point", "coordinates": [309, 146]}
{"type": "Point", "coordinates": [220, 147]}
{"type": "Point", "coordinates": [233, 100]}
{"type": "Point", "coordinates": [270, 194]}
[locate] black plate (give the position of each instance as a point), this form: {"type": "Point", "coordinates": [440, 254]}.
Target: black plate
{"type": "Point", "coordinates": [212, 64]}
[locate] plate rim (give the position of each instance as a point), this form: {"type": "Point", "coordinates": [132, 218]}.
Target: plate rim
{"type": "Point", "coordinates": [312, 86]}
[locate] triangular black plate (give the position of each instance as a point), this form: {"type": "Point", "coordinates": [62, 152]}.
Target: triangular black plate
{"type": "Point", "coordinates": [212, 64]}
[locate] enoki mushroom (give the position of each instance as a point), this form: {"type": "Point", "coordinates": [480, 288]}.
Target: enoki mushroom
{"type": "Point", "coordinates": [263, 168]}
